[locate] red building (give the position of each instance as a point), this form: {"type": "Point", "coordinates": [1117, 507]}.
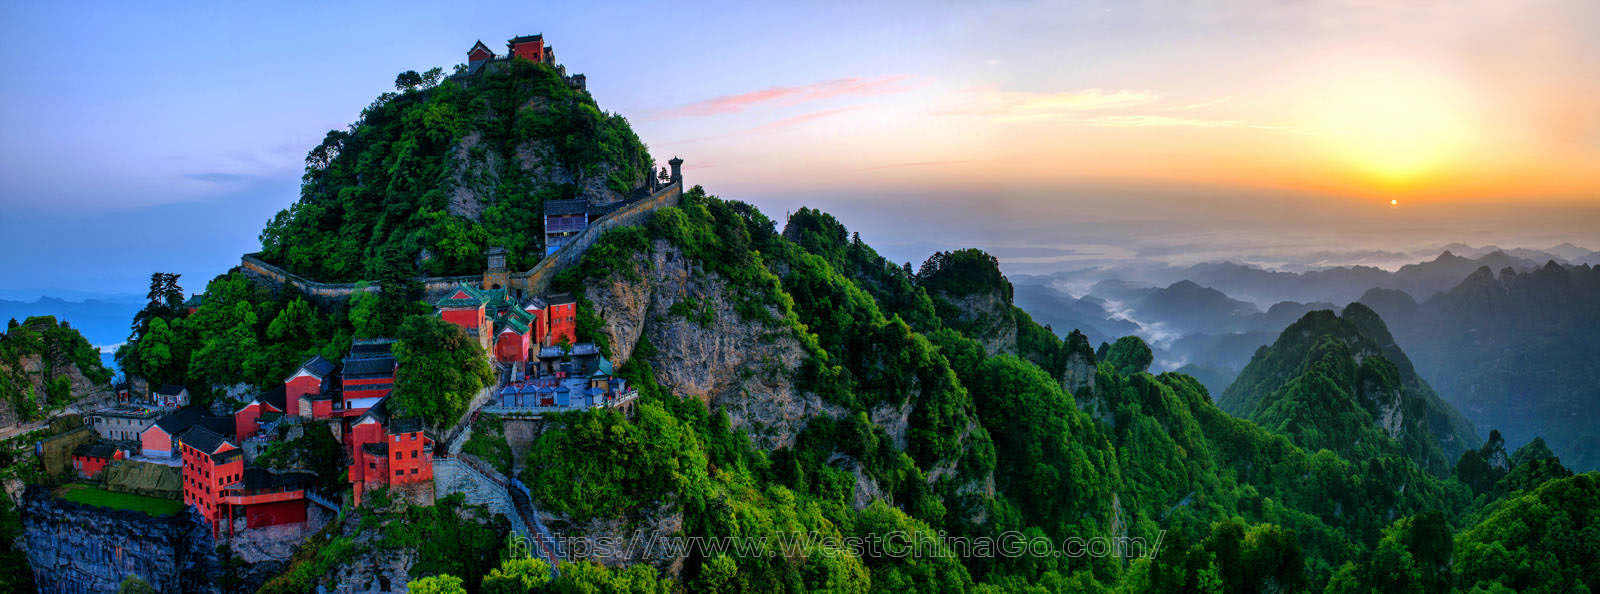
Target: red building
{"type": "Point", "coordinates": [563, 316]}
{"type": "Point", "coordinates": [210, 463]}
{"type": "Point", "coordinates": [161, 439]}
{"type": "Point", "coordinates": [529, 47]}
{"type": "Point", "coordinates": [479, 54]}
{"type": "Point", "coordinates": [301, 387]}
{"type": "Point", "coordinates": [366, 377]}
{"type": "Point", "coordinates": [265, 408]}
{"type": "Point", "coordinates": [514, 335]}
{"type": "Point", "coordinates": [465, 307]}
{"type": "Point", "coordinates": [265, 498]}
{"type": "Point", "coordinates": [388, 452]}
{"type": "Point", "coordinates": [89, 460]}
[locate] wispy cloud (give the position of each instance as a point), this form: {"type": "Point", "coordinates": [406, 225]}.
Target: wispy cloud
{"type": "Point", "coordinates": [786, 96]}
{"type": "Point", "coordinates": [776, 125]}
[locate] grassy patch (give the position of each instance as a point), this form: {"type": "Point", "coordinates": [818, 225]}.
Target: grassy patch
{"type": "Point", "coordinates": [128, 501]}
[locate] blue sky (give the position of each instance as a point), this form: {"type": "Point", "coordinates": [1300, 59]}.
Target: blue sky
{"type": "Point", "coordinates": [138, 139]}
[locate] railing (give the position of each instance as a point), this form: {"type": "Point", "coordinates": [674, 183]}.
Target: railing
{"type": "Point", "coordinates": [320, 500]}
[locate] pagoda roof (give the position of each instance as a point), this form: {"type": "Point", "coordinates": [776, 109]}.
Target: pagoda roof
{"type": "Point", "coordinates": [525, 38]}
{"type": "Point", "coordinates": [169, 390]}
{"type": "Point", "coordinates": [181, 420]}
{"type": "Point", "coordinates": [562, 299]}
{"type": "Point", "coordinates": [276, 397]}
{"type": "Point", "coordinates": [203, 439]}
{"type": "Point", "coordinates": [464, 295]}
{"type": "Point", "coordinates": [317, 366]}
{"type": "Point", "coordinates": [369, 367]}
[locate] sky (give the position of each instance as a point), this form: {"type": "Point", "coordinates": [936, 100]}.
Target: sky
{"type": "Point", "coordinates": [136, 139]}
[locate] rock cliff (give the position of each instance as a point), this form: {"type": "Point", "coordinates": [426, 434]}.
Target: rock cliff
{"type": "Point", "coordinates": [700, 346]}
{"type": "Point", "coordinates": [74, 547]}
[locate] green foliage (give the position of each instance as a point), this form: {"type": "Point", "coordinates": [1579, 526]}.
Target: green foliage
{"type": "Point", "coordinates": [135, 585]}
{"type": "Point", "coordinates": [963, 272]}
{"type": "Point", "coordinates": [60, 349]}
{"type": "Point", "coordinates": [436, 584]}
{"type": "Point", "coordinates": [15, 573]}
{"type": "Point", "coordinates": [128, 501]}
{"type": "Point", "coordinates": [600, 465]}
{"type": "Point", "coordinates": [1129, 355]}
{"type": "Point", "coordinates": [440, 370]}
{"type": "Point", "coordinates": [379, 195]}
{"type": "Point", "coordinates": [488, 443]}
{"type": "Point", "coordinates": [316, 450]}
{"type": "Point", "coordinates": [1541, 541]}
{"type": "Point", "coordinates": [516, 576]}
{"type": "Point", "coordinates": [241, 333]}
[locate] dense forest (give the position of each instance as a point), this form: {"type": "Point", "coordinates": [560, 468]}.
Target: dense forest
{"type": "Point", "coordinates": [440, 170]}
{"type": "Point", "coordinates": [1241, 507]}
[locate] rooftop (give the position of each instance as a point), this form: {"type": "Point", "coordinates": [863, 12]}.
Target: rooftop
{"type": "Point", "coordinates": [566, 207]}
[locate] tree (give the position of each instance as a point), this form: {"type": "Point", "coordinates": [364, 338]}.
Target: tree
{"type": "Point", "coordinates": [1129, 355]}
{"type": "Point", "coordinates": [407, 81]}
{"type": "Point", "coordinates": [438, 584]}
{"type": "Point", "coordinates": [517, 576]}
{"type": "Point", "coordinates": [134, 584]}
{"type": "Point", "coordinates": [441, 370]}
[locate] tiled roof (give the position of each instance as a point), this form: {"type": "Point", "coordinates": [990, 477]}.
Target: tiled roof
{"type": "Point", "coordinates": [220, 425]}
{"type": "Point", "coordinates": [169, 390]}
{"type": "Point", "coordinates": [370, 347]}
{"type": "Point", "coordinates": [275, 398]}
{"type": "Point", "coordinates": [515, 318]}
{"type": "Point", "coordinates": [317, 366]}
{"type": "Point", "coordinates": [203, 439]}
{"type": "Point", "coordinates": [369, 367]}
{"type": "Point", "coordinates": [562, 299]}
{"type": "Point", "coordinates": [181, 420]}
{"type": "Point", "coordinates": [464, 295]}
{"type": "Point", "coordinates": [227, 456]}
{"type": "Point", "coordinates": [256, 479]}
{"type": "Point", "coordinates": [553, 208]}
{"type": "Point", "coordinates": [404, 425]}
{"type": "Point", "coordinates": [522, 38]}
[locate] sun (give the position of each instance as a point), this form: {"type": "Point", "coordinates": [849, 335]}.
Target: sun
{"type": "Point", "coordinates": [1396, 128]}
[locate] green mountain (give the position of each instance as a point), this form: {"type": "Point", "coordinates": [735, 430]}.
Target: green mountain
{"type": "Point", "coordinates": [431, 176]}
{"type": "Point", "coordinates": [1514, 351]}
{"type": "Point", "coordinates": [1340, 382]}
{"type": "Point", "coordinates": [45, 364]}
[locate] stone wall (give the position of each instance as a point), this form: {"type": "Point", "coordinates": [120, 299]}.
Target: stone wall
{"type": "Point", "coordinates": [532, 282]}
{"type": "Point", "coordinates": [74, 547]}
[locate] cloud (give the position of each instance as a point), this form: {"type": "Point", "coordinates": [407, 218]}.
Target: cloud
{"type": "Point", "coordinates": [1021, 106]}
{"type": "Point", "coordinates": [785, 96]}
{"type": "Point", "coordinates": [788, 122]}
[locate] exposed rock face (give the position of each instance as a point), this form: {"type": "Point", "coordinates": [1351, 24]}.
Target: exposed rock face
{"type": "Point", "coordinates": [74, 547]}
{"type": "Point", "coordinates": [617, 542]}
{"type": "Point", "coordinates": [743, 367]}
{"type": "Point", "coordinates": [985, 317]}
{"type": "Point", "coordinates": [1078, 375]}
{"type": "Point", "coordinates": [477, 169]}
{"type": "Point", "coordinates": [32, 371]}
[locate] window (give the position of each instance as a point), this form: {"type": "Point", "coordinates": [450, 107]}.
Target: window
{"type": "Point", "coordinates": [413, 453]}
{"type": "Point", "coordinates": [413, 471]}
{"type": "Point", "coordinates": [399, 455]}
{"type": "Point", "coordinates": [399, 473]}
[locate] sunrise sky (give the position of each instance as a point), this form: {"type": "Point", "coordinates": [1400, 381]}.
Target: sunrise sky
{"type": "Point", "coordinates": [139, 140]}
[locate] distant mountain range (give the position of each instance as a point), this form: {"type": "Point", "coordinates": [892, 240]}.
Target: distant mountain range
{"type": "Point", "coordinates": [103, 322]}
{"type": "Point", "coordinates": [1515, 351]}
{"type": "Point", "coordinates": [1507, 339]}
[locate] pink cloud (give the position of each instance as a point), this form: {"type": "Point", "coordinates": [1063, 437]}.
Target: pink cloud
{"type": "Point", "coordinates": [783, 96]}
